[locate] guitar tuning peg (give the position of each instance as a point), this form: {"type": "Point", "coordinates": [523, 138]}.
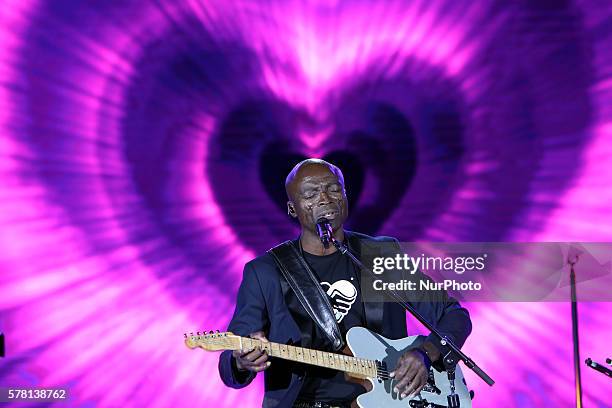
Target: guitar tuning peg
{"type": "Point", "coordinates": [185, 334]}
{"type": "Point", "coordinates": [217, 331]}
{"type": "Point", "coordinates": [198, 333]}
{"type": "Point", "coordinates": [192, 333]}
{"type": "Point", "coordinates": [211, 332]}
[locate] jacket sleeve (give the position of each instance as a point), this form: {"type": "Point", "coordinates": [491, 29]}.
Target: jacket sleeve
{"type": "Point", "coordinates": [442, 311]}
{"type": "Point", "coordinates": [249, 316]}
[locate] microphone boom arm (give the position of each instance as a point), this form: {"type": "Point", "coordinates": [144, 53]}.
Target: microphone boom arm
{"type": "Point", "coordinates": [451, 354]}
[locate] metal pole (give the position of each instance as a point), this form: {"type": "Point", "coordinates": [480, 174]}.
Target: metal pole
{"type": "Point", "coordinates": [575, 337]}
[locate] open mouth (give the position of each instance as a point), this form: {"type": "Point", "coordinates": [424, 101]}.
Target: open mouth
{"type": "Point", "coordinates": [330, 214]}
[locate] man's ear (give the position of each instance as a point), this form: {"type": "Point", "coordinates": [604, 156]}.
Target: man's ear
{"type": "Point", "coordinates": [291, 209]}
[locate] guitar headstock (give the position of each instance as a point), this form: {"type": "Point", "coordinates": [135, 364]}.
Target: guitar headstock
{"type": "Point", "coordinates": [213, 341]}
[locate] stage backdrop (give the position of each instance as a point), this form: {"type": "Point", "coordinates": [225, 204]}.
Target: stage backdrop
{"type": "Point", "coordinates": [144, 145]}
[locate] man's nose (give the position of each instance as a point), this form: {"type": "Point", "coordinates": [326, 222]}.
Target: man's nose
{"type": "Point", "coordinates": [324, 198]}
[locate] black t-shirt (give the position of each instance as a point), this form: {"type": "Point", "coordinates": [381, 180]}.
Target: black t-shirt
{"type": "Point", "coordinates": [338, 278]}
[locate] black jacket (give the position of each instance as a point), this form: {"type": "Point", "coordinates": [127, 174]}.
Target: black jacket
{"type": "Point", "coordinates": [262, 304]}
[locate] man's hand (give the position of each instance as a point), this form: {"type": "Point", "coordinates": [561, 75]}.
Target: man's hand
{"type": "Point", "coordinates": [410, 374]}
{"type": "Point", "coordinates": [252, 360]}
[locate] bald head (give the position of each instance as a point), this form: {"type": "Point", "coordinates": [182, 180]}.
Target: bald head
{"type": "Point", "coordinates": [315, 189]}
{"type": "Point", "coordinates": [306, 168]}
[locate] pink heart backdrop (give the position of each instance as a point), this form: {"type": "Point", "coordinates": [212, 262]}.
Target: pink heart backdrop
{"type": "Point", "coordinates": [144, 144]}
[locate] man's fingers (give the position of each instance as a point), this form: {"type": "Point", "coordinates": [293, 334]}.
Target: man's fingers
{"type": "Point", "coordinates": [401, 386]}
{"type": "Point", "coordinates": [259, 336]}
{"type": "Point", "coordinates": [261, 367]}
{"type": "Point", "coordinates": [417, 383]}
{"type": "Point", "coordinates": [410, 388]}
{"type": "Point", "coordinates": [258, 365]}
{"type": "Point", "coordinates": [403, 364]}
{"type": "Point", "coordinates": [255, 359]}
{"type": "Point", "coordinates": [261, 359]}
{"type": "Point", "coordinates": [411, 373]}
{"type": "Point", "coordinates": [402, 377]}
{"type": "Point", "coordinates": [242, 353]}
{"type": "Point", "coordinates": [252, 354]}
{"type": "Point", "coordinates": [400, 370]}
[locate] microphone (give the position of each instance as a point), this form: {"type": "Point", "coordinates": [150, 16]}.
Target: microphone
{"type": "Point", "coordinates": [324, 230]}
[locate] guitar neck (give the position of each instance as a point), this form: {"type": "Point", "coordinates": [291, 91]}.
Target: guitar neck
{"type": "Point", "coordinates": [357, 367]}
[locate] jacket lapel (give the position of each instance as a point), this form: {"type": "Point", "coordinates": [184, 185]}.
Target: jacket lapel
{"type": "Point", "coordinates": [373, 311]}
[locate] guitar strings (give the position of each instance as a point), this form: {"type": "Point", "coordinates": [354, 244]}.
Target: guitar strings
{"type": "Point", "coordinates": [380, 372]}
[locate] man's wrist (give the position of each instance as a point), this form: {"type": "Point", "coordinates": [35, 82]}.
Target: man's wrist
{"type": "Point", "coordinates": [426, 358]}
{"type": "Point", "coordinates": [432, 351]}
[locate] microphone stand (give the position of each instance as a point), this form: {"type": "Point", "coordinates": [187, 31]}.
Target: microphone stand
{"type": "Point", "coordinates": [577, 375]}
{"type": "Point", "coordinates": [451, 354]}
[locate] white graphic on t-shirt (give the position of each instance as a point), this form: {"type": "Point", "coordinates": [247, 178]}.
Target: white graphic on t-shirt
{"type": "Point", "coordinates": [342, 295]}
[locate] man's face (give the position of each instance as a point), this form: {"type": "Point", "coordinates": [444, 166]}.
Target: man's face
{"type": "Point", "coordinates": [317, 192]}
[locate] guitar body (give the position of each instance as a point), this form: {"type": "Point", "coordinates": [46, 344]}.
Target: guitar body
{"type": "Point", "coordinates": [369, 345]}
{"type": "Point", "coordinates": [370, 358]}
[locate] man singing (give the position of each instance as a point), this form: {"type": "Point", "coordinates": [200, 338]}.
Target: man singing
{"type": "Point", "coordinates": [266, 309]}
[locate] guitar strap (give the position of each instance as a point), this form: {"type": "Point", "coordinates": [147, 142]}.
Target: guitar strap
{"type": "Point", "coordinates": [307, 289]}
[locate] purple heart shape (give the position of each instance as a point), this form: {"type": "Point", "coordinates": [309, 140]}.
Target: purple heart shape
{"type": "Point", "coordinates": [256, 146]}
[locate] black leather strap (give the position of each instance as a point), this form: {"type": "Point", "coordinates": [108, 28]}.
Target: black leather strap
{"type": "Point", "coordinates": [307, 289]}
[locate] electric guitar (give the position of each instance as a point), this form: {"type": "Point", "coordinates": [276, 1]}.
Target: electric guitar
{"type": "Point", "coordinates": [373, 358]}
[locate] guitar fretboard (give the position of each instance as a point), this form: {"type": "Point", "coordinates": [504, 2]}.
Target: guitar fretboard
{"type": "Point", "coordinates": [352, 365]}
